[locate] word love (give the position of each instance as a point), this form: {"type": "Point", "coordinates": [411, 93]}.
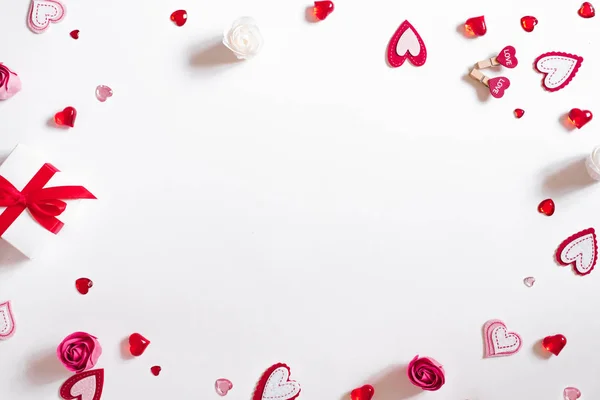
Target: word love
{"type": "Point", "coordinates": [497, 86]}
{"type": "Point", "coordinates": [507, 58]}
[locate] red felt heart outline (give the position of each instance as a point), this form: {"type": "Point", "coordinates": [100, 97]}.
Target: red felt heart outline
{"type": "Point", "coordinates": [65, 389]}
{"type": "Point", "coordinates": [394, 59]}
{"type": "Point", "coordinates": [577, 240]}
{"type": "Point", "coordinates": [262, 383]}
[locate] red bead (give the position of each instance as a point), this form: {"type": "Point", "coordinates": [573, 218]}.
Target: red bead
{"type": "Point", "coordinates": [322, 9]}
{"type": "Point", "coordinates": [554, 344]}
{"type": "Point", "coordinates": [547, 207]}
{"type": "Point", "coordinates": [528, 23]}
{"type": "Point", "coordinates": [476, 26]}
{"type": "Point", "coordinates": [83, 285]}
{"type": "Point", "coordinates": [179, 17]}
{"type": "Point", "coordinates": [66, 117]}
{"type": "Point", "coordinates": [362, 393]}
{"type": "Point", "coordinates": [519, 112]}
{"type": "Point", "coordinates": [137, 344]}
{"type": "Point", "coordinates": [580, 117]}
{"type": "Point", "coordinates": [155, 370]}
{"type": "Point", "coordinates": [586, 10]}
{"type": "Point", "coordinates": [75, 34]}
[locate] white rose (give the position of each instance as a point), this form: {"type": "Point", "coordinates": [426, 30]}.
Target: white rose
{"type": "Point", "coordinates": [243, 38]}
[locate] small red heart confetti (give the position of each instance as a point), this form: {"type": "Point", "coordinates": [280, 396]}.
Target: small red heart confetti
{"type": "Point", "coordinates": [528, 23]}
{"type": "Point", "coordinates": [83, 285]}
{"type": "Point", "coordinates": [529, 281]}
{"type": "Point", "coordinates": [155, 370]}
{"type": "Point", "coordinates": [546, 207]}
{"type": "Point", "coordinates": [66, 117]}
{"type": "Point", "coordinates": [519, 113]}
{"type": "Point", "coordinates": [586, 10]}
{"type": "Point", "coordinates": [580, 117]}
{"type": "Point", "coordinates": [554, 344]}
{"type": "Point", "coordinates": [322, 9]}
{"type": "Point", "coordinates": [476, 26]}
{"type": "Point", "coordinates": [137, 344]}
{"type": "Point", "coordinates": [75, 34]}
{"type": "Point", "coordinates": [571, 393]}
{"type": "Point", "coordinates": [223, 386]}
{"type": "Point", "coordinates": [365, 392]}
{"type": "Point", "coordinates": [179, 17]}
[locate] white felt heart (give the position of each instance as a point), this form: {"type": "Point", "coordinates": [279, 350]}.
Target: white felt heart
{"type": "Point", "coordinates": [559, 68]}
{"type": "Point", "coordinates": [499, 341]}
{"type": "Point", "coordinates": [7, 321]}
{"type": "Point", "coordinates": [42, 12]}
{"type": "Point", "coordinates": [581, 250]}
{"type": "Point", "coordinates": [86, 388]}
{"type": "Point", "coordinates": [408, 42]}
{"type": "Point", "coordinates": [278, 387]}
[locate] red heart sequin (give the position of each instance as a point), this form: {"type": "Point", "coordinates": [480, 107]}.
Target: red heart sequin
{"type": "Point", "coordinates": [476, 26]}
{"type": "Point", "coordinates": [586, 10]}
{"type": "Point", "coordinates": [528, 23]}
{"type": "Point", "coordinates": [322, 9]}
{"type": "Point", "coordinates": [137, 344]}
{"type": "Point", "coordinates": [66, 117]}
{"type": "Point", "coordinates": [155, 370]}
{"type": "Point", "coordinates": [547, 207]}
{"type": "Point", "coordinates": [365, 392]}
{"type": "Point", "coordinates": [83, 285]}
{"type": "Point", "coordinates": [179, 17]}
{"type": "Point", "coordinates": [554, 344]}
{"type": "Point", "coordinates": [75, 34]}
{"type": "Point", "coordinates": [519, 113]}
{"type": "Point", "coordinates": [580, 117]}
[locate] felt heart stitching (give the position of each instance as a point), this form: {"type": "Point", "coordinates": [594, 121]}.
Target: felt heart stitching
{"type": "Point", "coordinates": [498, 341]}
{"type": "Point", "coordinates": [42, 12]}
{"type": "Point", "coordinates": [498, 86]}
{"type": "Point", "coordinates": [7, 321]}
{"type": "Point", "coordinates": [581, 249]}
{"type": "Point", "coordinates": [559, 68]}
{"type": "Point", "coordinates": [275, 384]}
{"type": "Point", "coordinates": [83, 386]}
{"type": "Point", "coordinates": [406, 43]}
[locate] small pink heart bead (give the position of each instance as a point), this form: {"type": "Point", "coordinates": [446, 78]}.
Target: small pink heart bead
{"type": "Point", "coordinates": [529, 281]}
{"type": "Point", "coordinates": [103, 93]}
{"type": "Point", "coordinates": [571, 393]}
{"type": "Point", "coordinates": [222, 386]}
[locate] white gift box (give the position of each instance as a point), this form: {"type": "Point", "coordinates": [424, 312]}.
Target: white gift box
{"type": "Point", "coordinates": [25, 233]}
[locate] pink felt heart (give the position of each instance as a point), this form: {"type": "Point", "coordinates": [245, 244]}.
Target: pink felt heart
{"type": "Point", "coordinates": [7, 321]}
{"type": "Point", "coordinates": [406, 44]}
{"type": "Point", "coordinates": [498, 86]}
{"type": "Point", "coordinates": [42, 12]}
{"type": "Point", "coordinates": [499, 341]}
{"type": "Point", "coordinates": [507, 57]}
{"type": "Point", "coordinates": [571, 393]}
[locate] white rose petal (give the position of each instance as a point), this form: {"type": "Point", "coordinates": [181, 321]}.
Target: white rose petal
{"type": "Point", "coordinates": [243, 38]}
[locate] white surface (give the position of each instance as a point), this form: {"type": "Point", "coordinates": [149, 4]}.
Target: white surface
{"type": "Point", "coordinates": [311, 206]}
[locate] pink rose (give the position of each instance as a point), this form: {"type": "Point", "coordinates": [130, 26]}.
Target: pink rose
{"type": "Point", "coordinates": [79, 351]}
{"type": "Point", "coordinates": [426, 373]}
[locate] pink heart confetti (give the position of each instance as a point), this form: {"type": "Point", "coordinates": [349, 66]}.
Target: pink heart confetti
{"type": "Point", "coordinates": [222, 386]}
{"type": "Point", "coordinates": [571, 393]}
{"type": "Point", "coordinates": [529, 281]}
{"type": "Point", "coordinates": [103, 93]}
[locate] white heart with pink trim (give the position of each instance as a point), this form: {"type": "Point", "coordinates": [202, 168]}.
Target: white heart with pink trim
{"type": "Point", "coordinates": [498, 341]}
{"type": "Point", "coordinates": [42, 12]}
{"type": "Point", "coordinates": [7, 321]}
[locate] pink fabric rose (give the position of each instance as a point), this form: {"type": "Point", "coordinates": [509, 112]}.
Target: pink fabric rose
{"type": "Point", "coordinates": [426, 373]}
{"type": "Point", "coordinates": [79, 351]}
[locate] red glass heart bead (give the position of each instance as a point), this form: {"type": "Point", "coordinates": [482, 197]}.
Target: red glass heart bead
{"type": "Point", "coordinates": [476, 26]}
{"type": "Point", "coordinates": [528, 23]}
{"type": "Point", "coordinates": [580, 117]}
{"type": "Point", "coordinates": [322, 9]}
{"type": "Point", "coordinates": [547, 207]}
{"type": "Point", "coordinates": [137, 344]}
{"type": "Point", "coordinates": [554, 344]}
{"type": "Point", "coordinates": [519, 113]}
{"type": "Point", "coordinates": [586, 10]}
{"type": "Point", "coordinates": [155, 370]}
{"type": "Point", "coordinates": [179, 17]}
{"type": "Point", "coordinates": [365, 392]}
{"type": "Point", "coordinates": [83, 285]}
{"type": "Point", "coordinates": [66, 117]}
{"type": "Point", "coordinates": [75, 34]}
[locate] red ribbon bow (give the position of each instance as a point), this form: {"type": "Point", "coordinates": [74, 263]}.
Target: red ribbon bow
{"type": "Point", "coordinates": [44, 204]}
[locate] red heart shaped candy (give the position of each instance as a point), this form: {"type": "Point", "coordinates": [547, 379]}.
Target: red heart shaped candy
{"type": "Point", "coordinates": [365, 392]}
{"type": "Point", "coordinates": [554, 344]}
{"type": "Point", "coordinates": [528, 23]}
{"type": "Point", "coordinates": [66, 117]}
{"type": "Point", "coordinates": [580, 117]}
{"type": "Point", "coordinates": [322, 9]}
{"type": "Point", "coordinates": [476, 26]}
{"type": "Point", "coordinates": [137, 344]}
{"type": "Point", "coordinates": [586, 10]}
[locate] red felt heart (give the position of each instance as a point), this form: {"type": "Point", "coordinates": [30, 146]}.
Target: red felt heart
{"type": "Point", "coordinates": [137, 344]}
{"type": "Point", "coordinates": [508, 57]}
{"type": "Point", "coordinates": [322, 9]}
{"type": "Point", "coordinates": [580, 117]}
{"type": "Point", "coordinates": [587, 10]}
{"type": "Point", "coordinates": [66, 117]}
{"type": "Point", "coordinates": [476, 26]}
{"type": "Point", "coordinates": [498, 86]}
{"type": "Point", "coordinates": [528, 23]}
{"type": "Point", "coordinates": [75, 34]}
{"type": "Point", "coordinates": [554, 344]}
{"type": "Point", "coordinates": [365, 392]}
{"type": "Point", "coordinates": [83, 386]}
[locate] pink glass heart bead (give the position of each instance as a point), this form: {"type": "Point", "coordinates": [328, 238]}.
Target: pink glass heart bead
{"type": "Point", "coordinates": [103, 93]}
{"type": "Point", "coordinates": [223, 386]}
{"type": "Point", "coordinates": [529, 281]}
{"type": "Point", "coordinates": [571, 393]}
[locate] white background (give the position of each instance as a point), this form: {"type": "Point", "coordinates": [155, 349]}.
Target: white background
{"type": "Point", "coordinates": [311, 206]}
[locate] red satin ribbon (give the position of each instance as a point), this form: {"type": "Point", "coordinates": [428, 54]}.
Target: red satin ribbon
{"type": "Point", "coordinates": [44, 204]}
